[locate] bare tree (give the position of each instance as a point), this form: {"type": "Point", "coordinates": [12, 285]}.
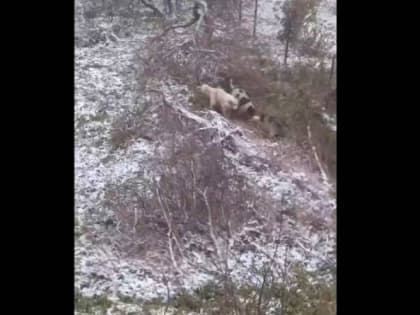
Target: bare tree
{"type": "Point", "coordinates": [294, 13]}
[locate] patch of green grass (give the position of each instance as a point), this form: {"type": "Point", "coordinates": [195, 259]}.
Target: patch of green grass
{"type": "Point", "coordinates": [128, 300]}
{"type": "Point", "coordinates": [94, 305]}
{"type": "Point", "coordinates": [188, 302]}
{"type": "Point", "coordinates": [153, 305]}
{"type": "Point", "coordinates": [306, 293]}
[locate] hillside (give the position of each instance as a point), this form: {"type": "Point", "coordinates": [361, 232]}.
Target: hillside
{"type": "Point", "coordinates": [171, 197]}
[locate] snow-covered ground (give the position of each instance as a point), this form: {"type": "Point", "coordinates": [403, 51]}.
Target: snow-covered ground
{"type": "Point", "coordinates": [106, 86]}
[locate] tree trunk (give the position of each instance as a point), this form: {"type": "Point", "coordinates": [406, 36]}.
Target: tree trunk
{"type": "Point", "coordinates": [254, 33]}
{"type": "Point", "coordinates": [240, 12]}
{"type": "Point", "coordinates": [208, 30]}
{"type": "Point", "coordinates": [286, 51]}
{"type": "Point", "coordinates": [170, 7]}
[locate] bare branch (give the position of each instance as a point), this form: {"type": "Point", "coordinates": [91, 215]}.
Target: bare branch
{"type": "Point", "coordinates": [135, 220]}
{"type": "Point", "coordinates": [210, 51]}
{"type": "Point", "coordinates": [321, 169]}
{"type": "Point", "coordinates": [199, 12]}
{"type": "Point", "coordinates": [165, 214]}
{"type": "Point", "coordinates": [211, 227]}
{"type": "Point", "coordinates": [154, 9]}
{"type": "Point", "coordinates": [194, 186]}
{"type": "Point", "coordinates": [173, 234]}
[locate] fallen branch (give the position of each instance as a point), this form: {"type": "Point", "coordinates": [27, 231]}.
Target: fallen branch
{"type": "Point", "coordinates": [173, 28]}
{"type": "Point", "coordinates": [206, 50]}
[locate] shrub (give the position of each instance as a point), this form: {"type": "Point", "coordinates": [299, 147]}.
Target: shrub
{"type": "Point", "coordinates": [130, 125]}
{"type": "Point", "coordinates": [306, 293]}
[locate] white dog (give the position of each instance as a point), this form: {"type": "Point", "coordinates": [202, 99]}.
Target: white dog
{"type": "Point", "coordinates": [219, 97]}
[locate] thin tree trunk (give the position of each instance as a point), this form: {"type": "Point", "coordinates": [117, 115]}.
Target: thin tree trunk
{"type": "Point", "coordinates": [283, 296]}
{"type": "Point", "coordinates": [286, 51]}
{"type": "Point", "coordinates": [261, 293]}
{"type": "Point", "coordinates": [169, 7]}
{"type": "Point", "coordinates": [240, 12]}
{"type": "Point", "coordinates": [178, 5]}
{"type": "Point", "coordinates": [168, 295]}
{"type": "Point", "coordinates": [254, 33]}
